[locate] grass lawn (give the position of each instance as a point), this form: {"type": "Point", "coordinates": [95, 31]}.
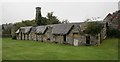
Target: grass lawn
{"type": "Point", "coordinates": [34, 50]}
{"type": "Point", "coordinates": [0, 49]}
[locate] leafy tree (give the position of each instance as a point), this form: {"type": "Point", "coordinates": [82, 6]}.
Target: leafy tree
{"type": "Point", "coordinates": [17, 25]}
{"type": "Point", "coordinates": [52, 19]}
{"type": "Point", "coordinates": [44, 21]}
{"type": "Point", "coordinates": [93, 28]}
{"type": "Point", "coordinates": [24, 23]}
{"type": "Point", "coordinates": [113, 33]}
{"type": "Point", "coordinates": [28, 22]}
{"type": "Point", "coordinates": [6, 30]}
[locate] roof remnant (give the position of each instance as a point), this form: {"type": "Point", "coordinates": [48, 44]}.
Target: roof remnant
{"type": "Point", "coordinates": [41, 29]}
{"type": "Point", "coordinates": [33, 29]}
{"type": "Point", "coordinates": [24, 29]}
{"type": "Point", "coordinates": [61, 29]}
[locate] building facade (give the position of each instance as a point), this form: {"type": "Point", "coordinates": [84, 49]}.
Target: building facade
{"type": "Point", "coordinates": [72, 34]}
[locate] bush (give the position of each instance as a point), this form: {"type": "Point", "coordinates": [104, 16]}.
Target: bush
{"type": "Point", "coordinates": [14, 37]}
{"type": "Point", "coordinates": [93, 28]}
{"type": "Point", "coordinates": [113, 33]}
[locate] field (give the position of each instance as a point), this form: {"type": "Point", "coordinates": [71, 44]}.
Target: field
{"type": "Point", "coordinates": [0, 49]}
{"type": "Point", "coordinates": [34, 50]}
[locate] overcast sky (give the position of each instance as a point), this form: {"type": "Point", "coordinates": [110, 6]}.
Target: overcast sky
{"type": "Point", "coordinates": [73, 11]}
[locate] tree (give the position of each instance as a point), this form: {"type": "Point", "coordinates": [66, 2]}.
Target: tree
{"type": "Point", "coordinates": [113, 33]}
{"type": "Point", "coordinates": [44, 21]}
{"type": "Point", "coordinates": [65, 21]}
{"type": "Point", "coordinates": [52, 19]}
{"type": "Point", "coordinates": [28, 22]}
{"type": "Point", "coordinates": [17, 25]}
{"type": "Point", "coordinates": [6, 30]}
{"type": "Point", "coordinates": [93, 28]}
{"type": "Point", "coordinates": [24, 23]}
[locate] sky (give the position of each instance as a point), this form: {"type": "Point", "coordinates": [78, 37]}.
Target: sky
{"type": "Point", "coordinates": [74, 11]}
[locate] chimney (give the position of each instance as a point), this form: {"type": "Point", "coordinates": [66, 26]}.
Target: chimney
{"type": "Point", "coordinates": [38, 15]}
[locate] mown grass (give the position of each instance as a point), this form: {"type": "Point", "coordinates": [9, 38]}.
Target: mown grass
{"type": "Point", "coordinates": [34, 50]}
{"type": "Point", "coordinates": [0, 49]}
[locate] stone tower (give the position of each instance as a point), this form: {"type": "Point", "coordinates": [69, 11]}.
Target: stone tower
{"type": "Point", "coordinates": [38, 16]}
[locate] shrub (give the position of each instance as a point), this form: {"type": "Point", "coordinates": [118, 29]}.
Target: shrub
{"type": "Point", "coordinates": [93, 28]}
{"type": "Point", "coordinates": [111, 32]}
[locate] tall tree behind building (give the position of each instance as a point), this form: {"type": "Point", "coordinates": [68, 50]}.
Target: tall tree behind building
{"type": "Point", "coordinates": [52, 19]}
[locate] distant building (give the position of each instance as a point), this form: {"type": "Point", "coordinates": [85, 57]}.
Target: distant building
{"type": "Point", "coordinates": [6, 30]}
{"type": "Point", "coordinates": [113, 20]}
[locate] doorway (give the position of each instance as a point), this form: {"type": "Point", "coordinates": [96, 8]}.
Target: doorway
{"type": "Point", "coordinates": [87, 40]}
{"type": "Point", "coordinates": [24, 36]}
{"type": "Point", "coordinates": [64, 37]}
{"type": "Point", "coordinates": [21, 36]}
{"type": "Point", "coordinates": [75, 36]}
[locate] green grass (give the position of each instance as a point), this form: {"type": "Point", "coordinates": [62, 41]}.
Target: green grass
{"type": "Point", "coordinates": [33, 50]}
{"type": "Point", "coordinates": [0, 49]}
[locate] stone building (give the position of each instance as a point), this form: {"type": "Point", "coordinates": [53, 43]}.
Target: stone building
{"type": "Point", "coordinates": [32, 34]}
{"type": "Point", "coordinates": [112, 20]}
{"type": "Point", "coordinates": [40, 33]}
{"type": "Point", "coordinates": [70, 33]}
{"type": "Point", "coordinates": [23, 33]}
{"type": "Point", "coordinates": [48, 33]}
{"type": "Point", "coordinates": [44, 33]}
{"type": "Point", "coordinates": [60, 32]}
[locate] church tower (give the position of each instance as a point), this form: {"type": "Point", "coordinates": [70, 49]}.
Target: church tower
{"type": "Point", "coordinates": [38, 16]}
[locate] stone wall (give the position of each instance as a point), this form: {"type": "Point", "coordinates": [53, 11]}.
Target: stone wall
{"type": "Point", "coordinates": [30, 36]}
{"type": "Point", "coordinates": [69, 39]}
{"type": "Point", "coordinates": [39, 37]}
{"type": "Point", "coordinates": [26, 37]}
{"type": "Point", "coordinates": [23, 36]}
{"type": "Point", "coordinates": [75, 35]}
{"type": "Point", "coordinates": [44, 37]}
{"type": "Point", "coordinates": [82, 40]}
{"type": "Point", "coordinates": [93, 39]}
{"type": "Point", "coordinates": [59, 39]}
{"type": "Point", "coordinates": [33, 36]}
{"type": "Point", "coordinates": [48, 34]}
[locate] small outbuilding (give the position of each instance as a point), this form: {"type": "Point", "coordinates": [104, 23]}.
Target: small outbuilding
{"type": "Point", "coordinates": [23, 33]}
{"type": "Point", "coordinates": [67, 33]}
{"type": "Point", "coordinates": [40, 33]}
